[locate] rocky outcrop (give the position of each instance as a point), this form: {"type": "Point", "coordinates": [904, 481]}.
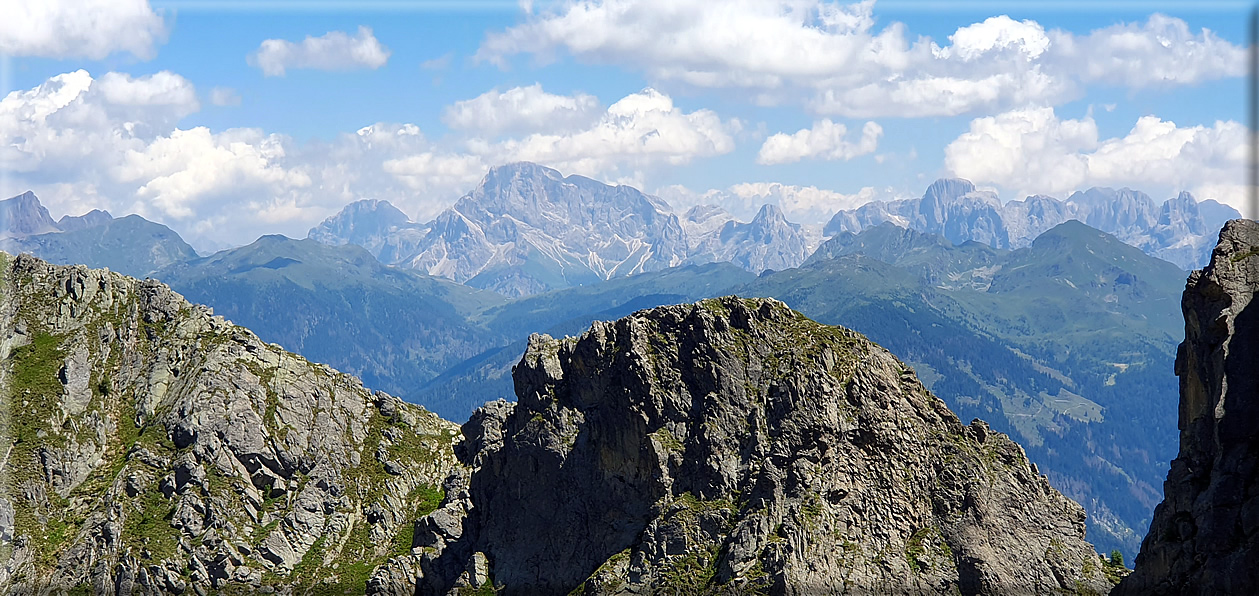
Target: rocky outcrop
{"type": "Point", "coordinates": [1204, 538]}
{"type": "Point", "coordinates": [735, 446]}
{"type": "Point", "coordinates": [151, 447]}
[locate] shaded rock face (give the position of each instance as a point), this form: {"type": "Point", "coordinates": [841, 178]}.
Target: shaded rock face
{"type": "Point", "coordinates": [155, 448]}
{"type": "Point", "coordinates": [23, 215]}
{"type": "Point", "coordinates": [1204, 537]}
{"type": "Point", "coordinates": [736, 446]}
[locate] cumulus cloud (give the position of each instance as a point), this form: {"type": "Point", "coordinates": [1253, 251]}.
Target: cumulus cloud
{"type": "Point", "coordinates": [831, 58]}
{"type": "Point", "coordinates": [164, 88]}
{"type": "Point", "coordinates": [824, 141]}
{"type": "Point", "coordinates": [90, 29]}
{"type": "Point", "coordinates": [641, 130]}
{"type": "Point", "coordinates": [114, 142]}
{"type": "Point", "coordinates": [335, 50]}
{"type": "Point", "coordinates": [523, 109]}
{"type": "Point", "coordinates": [1035, 151]}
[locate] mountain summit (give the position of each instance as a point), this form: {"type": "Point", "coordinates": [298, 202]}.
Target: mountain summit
{"type": "Point", "coordinates": [735, 446]}
{"type": "Point", "coordinates": [23, 215]}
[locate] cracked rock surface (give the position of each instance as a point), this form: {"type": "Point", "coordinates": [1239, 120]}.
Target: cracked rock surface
{"type": "Point", "coordinates": [1204, 537]}
{"type": "Point", "coordinates": [151, 447]}
{"type": "Point", "coordinates": [735, 446]}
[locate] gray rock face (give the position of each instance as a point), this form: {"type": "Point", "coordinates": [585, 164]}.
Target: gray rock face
{"type": "Point", "coordinates": [1204, 538]}
{"type": "Point", "coordinates": [769, 241]}
{"type": "Point", "coordinates": [23, 215]}
{"type": "Point", "coordinates": [525, 229]}
{"type": "Point", "coordinates": [734, 446]}
{"type": "Point", "coordinates": [156, 448]}
{"type": "Point", "coordinates": [375, 225]}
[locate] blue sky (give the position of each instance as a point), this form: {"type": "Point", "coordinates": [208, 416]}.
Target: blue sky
{"type": "Point", "coordinates": [813, 105]}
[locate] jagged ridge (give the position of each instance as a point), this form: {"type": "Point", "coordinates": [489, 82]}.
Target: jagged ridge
{"type": "Point", "coordinates": [736, 446]}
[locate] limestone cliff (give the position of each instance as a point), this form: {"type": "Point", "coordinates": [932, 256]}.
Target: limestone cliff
{"type": "Point", "coordinates": [1204, 538]}
{"type": "Point", "coordinates": [150, 447]}
{"type": "Point", "coordinates": [735, 446]}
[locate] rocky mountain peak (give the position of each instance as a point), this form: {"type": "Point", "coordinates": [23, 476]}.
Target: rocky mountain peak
{"type": "Point", "coordinates": [1204, 537]}
{"type": "Point", "coordinates": [24, 215]}
{"type": "Point", "coordinates": [733, 445]}
{"type": "Point", "coordinates": [93, 218]}
{"type": "Point", "coordinates": [526, 229]}
{"type": "Point", "coordinates": [945, 190]}
{"type": "Point", "coordinates": [156, 448]}
{"type": "Point", "coordinates": [362, 222]}
{"type": "Point", "coordinates": [769, 241]}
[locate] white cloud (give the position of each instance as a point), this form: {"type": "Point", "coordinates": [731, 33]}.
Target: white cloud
{"type": "Point", "coordinates": [114, 142]}
{"type": "Point", "coordinates": [824, 141]}
{"type": "Point", "coordinates": [333, 51]}
{"type": "Point", "coordinates": [164, 88]}
{"type": "Point", "coordinates": [1161, 52]}
{"type": "Point", "coordinates": [224, 96]}
{"type": "Point", "coordinates": [90, 29]}
{"type": "Point", "coordinates": [641, 130]}
{"type": "Point", "coordinates": [523, 109]}
{"type": "Point", "coordinates": [829, 56]}
{"type": "Point", "coordinates": [1034, 151]}
{"type": "Point", "coordinates": [178, 171]}
{"type": "Point", "coordinates": [996, 33]}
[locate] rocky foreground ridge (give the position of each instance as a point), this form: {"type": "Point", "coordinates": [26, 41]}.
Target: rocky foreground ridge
{"type": "Point", "coordinates": [727, 446]}
{"type": "Point", "coordinates": [735, 446]}
{"type": "Point", "coordinates": [1204, 538]}
{"type": "Point", "coordinates": [150, 447]}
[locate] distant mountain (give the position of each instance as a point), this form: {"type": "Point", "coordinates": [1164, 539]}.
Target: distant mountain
{"type": "Point", "coordinates": [130, 245]}
{"type": "Point", "coordinates": [702, 221]}
{"type": "Point", "coordinates": [952, 208]}
{"type": "Point", "coordinates": [1067, 344]}
{"type": "Point", "coordinates": [93, 218]}
{"type": "Point", "coordinates": [525, 229]}
{"type": "Point", "coordinates": [1181, 230]}
{"type": "Point", "coordinates": [930, 256]}
{"type": "Point", "coordinates": [23, 215]}
{"type": "Point", "coordinates": [384, 230]}
{"type": "Point", "coordinates": [769, 241]}
{"type": "Point", "coordinates": [394, 328]}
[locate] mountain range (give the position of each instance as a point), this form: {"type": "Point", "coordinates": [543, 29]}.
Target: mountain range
{"type": "Point", "coordinates": [1181, 230]}
{"type": "Point", "coordinates": [130, 245]}
{"type": "Point", "coordinates": [731, 445]}
{"type": "Point", "coordinates": [1058, 333]}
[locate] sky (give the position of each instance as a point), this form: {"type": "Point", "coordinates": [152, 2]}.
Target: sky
{"type": "Point", "coordinates": [227, 120]}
